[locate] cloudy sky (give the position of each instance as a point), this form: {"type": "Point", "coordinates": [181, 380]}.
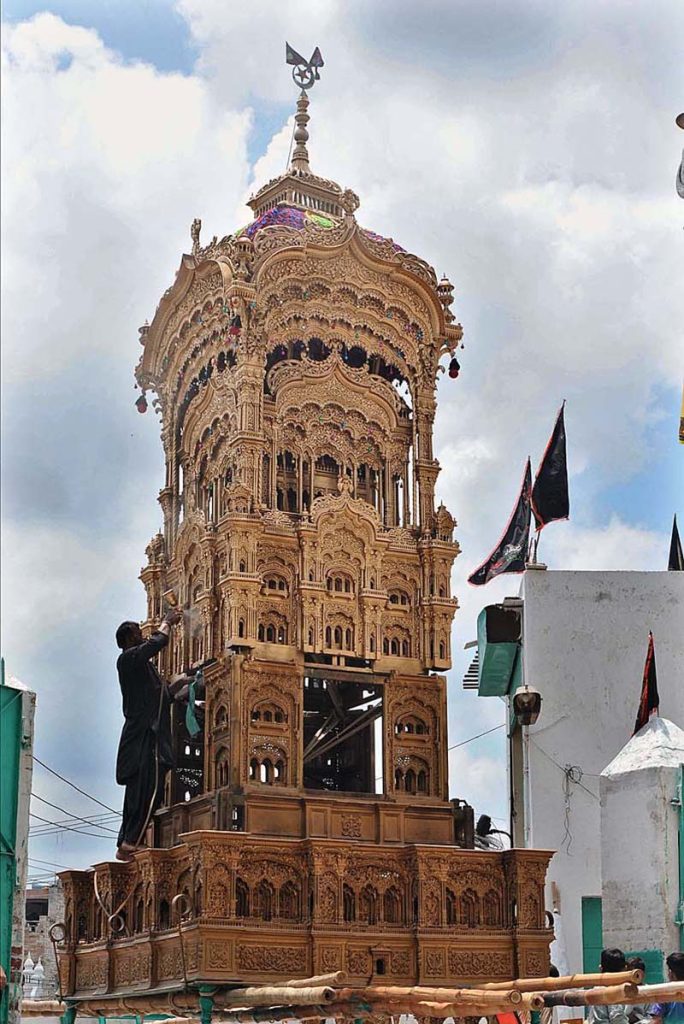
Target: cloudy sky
{"type": "Point", "coordinates": [524, 147]}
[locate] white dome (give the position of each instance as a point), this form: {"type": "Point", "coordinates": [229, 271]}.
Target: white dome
{"type": "Point", "coordinates": [658, 744]}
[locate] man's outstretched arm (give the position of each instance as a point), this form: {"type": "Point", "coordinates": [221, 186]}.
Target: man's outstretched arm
{"type": "Point", "coordinates": [159, 638]}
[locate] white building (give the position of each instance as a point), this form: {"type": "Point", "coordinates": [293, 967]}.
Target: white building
{"type": "Point", "coordinates": [641, 790]}
{"type": "Point", "coordinates": [583, 641]}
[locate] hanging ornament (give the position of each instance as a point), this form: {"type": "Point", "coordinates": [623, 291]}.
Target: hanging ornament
{"type": "Point", "coordinates": [141, 403]}
{"type": "Point", "coordinates": [454, 368]}
{"type": "Point", "coordinates": [235, 324]}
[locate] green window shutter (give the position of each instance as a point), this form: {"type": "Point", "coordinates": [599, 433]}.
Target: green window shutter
{"type": "Point", "coordinates": [592, 933]}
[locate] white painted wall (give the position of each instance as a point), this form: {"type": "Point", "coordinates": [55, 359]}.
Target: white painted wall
{"type": "Point", "coordinates": [641, 879]}
{"type": "Point", "coordinates": [585, 639]}
{"type": "Point", "coordinates": [641, 891]}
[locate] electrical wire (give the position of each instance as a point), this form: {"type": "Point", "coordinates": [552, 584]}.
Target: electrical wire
{"type": "Point", "coordinates": [67, 828]}
{"type": "Point", "coordinates": [74, 817]}
{"type": "Point", "coordinates": [73, 785]}
{"type": "Point", "coordinates": [99, 821]}
{"type": "Point", "coordinates": [50, 863]}
{"type": "Point", "coordinates": [471, 738]}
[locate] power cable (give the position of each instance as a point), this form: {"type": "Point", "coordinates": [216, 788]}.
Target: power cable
{"type": "Point", "coordinates": [100, 821]}
{"type": "Point", "coordinates": [73, 785]}
{"type": "Point", "coordinates": [74, 817]}
{"type": "Point", "coordinates": [67, 828]}
{"type": "Point", "coordinates": [471, 738]}
{"type": "Point", "coordinates": [50, 863]}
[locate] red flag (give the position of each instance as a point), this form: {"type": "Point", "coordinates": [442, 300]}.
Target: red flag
{"type": "Point", "coordinates": [650, 702]}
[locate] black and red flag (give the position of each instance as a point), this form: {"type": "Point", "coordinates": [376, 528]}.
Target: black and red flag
{"type": "Point", "coordinates": [550, 496]}
{"type": "Point", "coordinates": [675, 562]}
{"type": "Point", "coordinates": [510, 554]}
{"type": "Point", "coordinates": [650, 702]}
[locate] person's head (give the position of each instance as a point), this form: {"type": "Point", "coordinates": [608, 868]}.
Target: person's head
{"type": "Point", "coordinates": [635, 963]}
{"type": "Point", "coordinates": [553, 971]}
{"type": "Point", "coordinates": [612, 961]}
{"type": "Point", "coordinates": [128, 635]}
{"type": "Point", "coordinates": [675, 966]}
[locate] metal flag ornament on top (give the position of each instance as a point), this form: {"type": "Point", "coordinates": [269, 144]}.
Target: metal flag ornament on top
{"type": "Point", "coordinates": [304, 72]}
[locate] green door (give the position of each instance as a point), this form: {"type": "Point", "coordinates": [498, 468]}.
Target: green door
{"type": "Point", "coordinates": [592, 933]}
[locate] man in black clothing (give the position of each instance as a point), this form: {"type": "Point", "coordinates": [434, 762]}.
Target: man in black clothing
{"type": "Point", "coordinates": [145, 751]}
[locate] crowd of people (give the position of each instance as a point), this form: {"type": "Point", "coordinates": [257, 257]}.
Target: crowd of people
{"type": "Point", "coordinates": [612, 962]}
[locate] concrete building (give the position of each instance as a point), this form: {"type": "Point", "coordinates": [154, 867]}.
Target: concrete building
{"type": "Point", "coordinates": [44, 907]}
{"type": "Point", "coordinates": [641, 791]}
{"type": "Point", "coordinates": [581, 640]}
{"type": "Point", "coordinates": [17, 712]}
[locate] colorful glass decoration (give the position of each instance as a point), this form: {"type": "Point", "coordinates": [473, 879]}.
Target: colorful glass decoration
{"type": "Point", "coordinates": [454, 368]}
{"type": "Point", "coordinates": [141, 403]}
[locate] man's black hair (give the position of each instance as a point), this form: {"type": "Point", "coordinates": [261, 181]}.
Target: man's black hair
{"type": "Point", "coordinates": [675, 962]}
{"type": "Point", "coordinates": [124, 632]}
{"type": "Point", "coordinates": [635, 963]}
{"type": "Point", "coordinates": [612, 961]}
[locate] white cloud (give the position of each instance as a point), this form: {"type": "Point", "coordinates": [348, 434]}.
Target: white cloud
{"type": "Point", "coordinates": [105, 165]}
{"type": "Point", "coordinates": [617, 545]}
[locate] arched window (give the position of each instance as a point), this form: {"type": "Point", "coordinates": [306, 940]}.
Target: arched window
{"type": "Point", "coordinates": [421, 781]}
{"type": "Point", "coordinates": [398, 779]}
{"type": "Point", "coordinates": [442, 650]}
{"type": "Point", "coordinates": [338, 637]}
{"type": "Point", "coordinates": [368, 905]}
{"type": "Point", "coordinates": [241, 627]}
{"type": "Point", "coordinates": [254, 769]}
{"type": "Point", "coordinates": [405, 649]}
{"type": "Point", "coordinates": [394, 647]}
{"type": "Point", "coordinates": [410, 781]}
{"type": "Point", "coordinates": [450, 907]}
{"type": "Point", "coordinates": [491, 909]}
{"type": "Point", "coordinates": [349, 903]}
{"type": "Point", "coordinates": [268, 716]}
{"type": "Point", "coordinates": [261, 632]}
{"type": "Point", "coordinates": [279, 771]}
{"type": "Point", "coordinates": [392, 906]}
{"type": "Point", "coordinates": [220, 717]}
{"type": "Point", "coordinates": [288, 901]}
{"type": "Point", "coordinates": [328, 636]}
{"type": "Point", "coordinates": [164, 914]}
{"type": "Point", "coordinates": [469, 909]}
{"type": "Point", "coordinates": [243, 566]}
{"type": "Point", "coordinates": [138, 921]}
{"type": "Point", "coordinates": [263, 900]}
{"type": "Point", "coordinates": [338, 584]}
{"type": "Point", "coordinates": [270, 634]}
{"type": "Point", "coordinates": [282, 635]}
{"type": "Point", "coordinates": [241, 898]}
{"type": "Point", "coordinates": [372, 644]}
{"type": "Point", "coordinates": [311, 638]}
{"type": "Point", "coordinates": [385, 646]}
{"type": "Point", "coordinates": [348, 642]}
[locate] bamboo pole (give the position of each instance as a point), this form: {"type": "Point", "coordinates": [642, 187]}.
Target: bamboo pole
{"type": "Point", "coordinates": [274, 995]}
{"type": "Point", "coordinates": [591, 996]}
{"type": "Point", "coordinates": [398, 993]}
{"type": "Point", "coordinates": [568, 981]}
{"type": "Point", "coordinates": [668, 992]}
{"type": "Point", "coordinates": [337, 978]}
{"type": "Point", "coordinates": [42, 1008]}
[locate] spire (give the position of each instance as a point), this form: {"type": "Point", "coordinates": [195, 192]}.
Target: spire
{"type": "Point", "coordinates": [300, 156]}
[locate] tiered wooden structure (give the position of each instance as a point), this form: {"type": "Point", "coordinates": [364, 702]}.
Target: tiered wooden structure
{"type": "Point", "coordinates": [294, 365]}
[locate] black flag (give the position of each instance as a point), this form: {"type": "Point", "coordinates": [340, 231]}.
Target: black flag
{"type": "Point", "coordinates": [676, 560]}
{"type": "Point", "coordinates": [649, 703]}
{"type": "Point", "coordinates": [550, 498]}
{"type": "Point", "coordinates": [510, 553]}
